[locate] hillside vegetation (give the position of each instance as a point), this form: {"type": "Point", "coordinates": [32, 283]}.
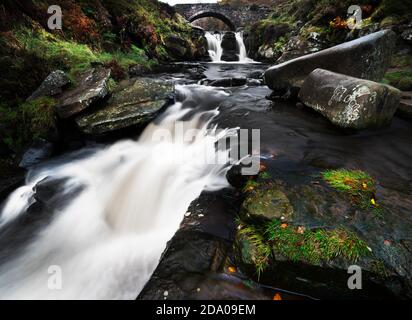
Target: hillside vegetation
{"type": "Point", "coordinates": [118, 34]}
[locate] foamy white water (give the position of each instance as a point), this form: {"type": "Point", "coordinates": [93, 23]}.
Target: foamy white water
{"type": "Point", "coordinates": [108, 241]}
{"type": "Point", "coordinates": [214, 42]}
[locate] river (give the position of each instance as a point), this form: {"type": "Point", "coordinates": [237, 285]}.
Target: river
{"type": "Point", "coordinates": [101, 217]}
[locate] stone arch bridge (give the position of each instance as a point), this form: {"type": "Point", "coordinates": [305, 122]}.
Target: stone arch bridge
{"type": "Point", "coordinates": [233, 17]}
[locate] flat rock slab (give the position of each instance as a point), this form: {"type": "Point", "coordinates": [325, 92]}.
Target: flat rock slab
{"type": "Point", "coordinates": [51, 86]}
{"type": "Point", "coordinates": [350, 102]}
{"type": "Point", "coordinates": [367, 58]}
{"type": "Point", "coordinates": [91, 86]}
{"type": "Point", "coordinates": [134, 102]}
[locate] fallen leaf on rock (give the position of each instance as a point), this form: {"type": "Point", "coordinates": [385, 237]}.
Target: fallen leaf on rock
{"type": "Point", "coordinates": [231, 269]}
{"type": "Point", "coordinates": [277, 297]}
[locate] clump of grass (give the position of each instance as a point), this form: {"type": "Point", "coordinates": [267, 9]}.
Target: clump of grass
{"type": "Point", "coordinates": [359, 185]}
{"type": "Point", "coordinates": [379, 268]}
{"type": "Point", "coordinates": [263, 239]}
{"type": "Point", "coordinates": [353, 182]}
{"type": "Point", "coordinates": [315, 246]}
{"type": "Point", "coordinates": [255, 249]}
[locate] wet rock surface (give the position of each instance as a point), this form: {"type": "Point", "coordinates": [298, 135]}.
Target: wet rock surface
{"type": "Point", "coordinates": [230, 47]}
{"type": "Point", "coordinates": [90, 87]}
{"type": "Point", "coordinates": [405, 106]}
{"type": "Point", "coordinates": [372, 52]}
{"type": "Point", "coordinates": [385, 264]}
{"type": "Point", "coordinates": [197, 251]}
{"type": "Point", "coordinates": [350, 102]}
{"type": "Point", "coordinates": [39, 151]}
{"type": "Point", "coordinates": [134, 102]}
{"type": "Point", "coordinates": [51, 86]}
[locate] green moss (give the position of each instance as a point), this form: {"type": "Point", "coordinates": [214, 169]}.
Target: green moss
{"type": "Point", "coordinates": [267, 201]}
{"type": "Point", "coordinates": [72, 56]}
{"type": "Point", "coordinates": [27, 122]}
{"type": "Point", "coordinates": [401, 79]}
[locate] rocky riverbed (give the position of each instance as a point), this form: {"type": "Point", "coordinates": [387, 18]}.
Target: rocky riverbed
{"type": "Point", "coordinates": [333, 190]}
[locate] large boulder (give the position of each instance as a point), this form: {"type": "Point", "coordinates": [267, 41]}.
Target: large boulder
{"type": "Point", "coordinates": [91, 86]}
{"type": "Point", "coordinates": [367, 58]}
{"type": "Point", "coordinates": [230, 47]}
{"type": "Point", "coordinates": [177, 47]}
{"type": "Point", "coordinates": [350, 102]}
{"type": "Point", "coordinates": [51, 86]}
{"type": "Point", "coordinates": [134, 102]}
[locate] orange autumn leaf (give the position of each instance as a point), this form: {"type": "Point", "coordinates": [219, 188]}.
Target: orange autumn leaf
{"type": "Point", "coordinates": [232, 269]}
{"type": "Point", "coordinates": [277, 297]}
{"type": "Point", "coordinates": [284, 225]}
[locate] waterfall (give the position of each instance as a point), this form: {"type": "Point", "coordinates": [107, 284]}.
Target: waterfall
{"type": "Point", "coordinates": [109, 239]}
{"type": "Point", "coordinates": [243, 58]}
{"type": "Point", "coordinates": [214, 42]}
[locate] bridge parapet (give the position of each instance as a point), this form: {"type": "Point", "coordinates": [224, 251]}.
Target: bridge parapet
{"type": "Point", "coordinates": [234, 17]}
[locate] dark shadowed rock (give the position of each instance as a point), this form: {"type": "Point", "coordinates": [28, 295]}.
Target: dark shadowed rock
{"type": "Point", "coordinates": [405, 106]}
{"type": "Point", "coordinates": [230, 47]}
{"type": "Point", "coordinates": [39, 151]}
{"type": "Point", "coordinates": [134, 102]}
{"type": "Point", "coordinates": [367, 58]}
{"type": "Point", "coordinates": [91, 86]}
{"type": "Point", "coordinates": [350, 102]}
{"type": "Point", "coordinates": [177, 47]}
{"type": "Point", "coordinates": [51, 86]}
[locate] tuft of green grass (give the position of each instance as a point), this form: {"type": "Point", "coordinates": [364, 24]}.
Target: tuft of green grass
{"type": "Point", "coordinates": [379, 268]}
{"type": "Point", "coordinates": [315, 246]}
{"type": "Point", "coordinates": [255, 249]}
{"type": "Point", "coordinates": [353, 182]}
{"type": "Point", "coordinates": [359, 185]}
{"type": "Point", "coordinates": [263, 239]}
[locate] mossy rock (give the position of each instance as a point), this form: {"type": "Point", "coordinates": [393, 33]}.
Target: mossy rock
{"type": "Point", "coordinates": [269, 202]}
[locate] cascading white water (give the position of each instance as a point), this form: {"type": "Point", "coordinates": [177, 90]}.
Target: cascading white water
{"type": "Point", "coordinates": [243, 58]}
{"type": "Point", "coordinates": [108, 241]}
{"type": "Point", "coordinates": [214, 42]}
